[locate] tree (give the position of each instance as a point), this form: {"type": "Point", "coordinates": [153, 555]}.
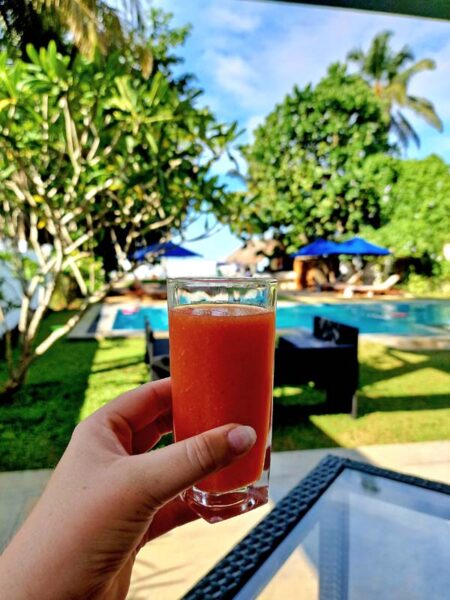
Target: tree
{"type": "Point", "coordinates": [316, 166]}
{"type": "Point", "coordinates": [76, 25]}
{"type": "Point", "coordinates": [390, 73]}
{"type": "Point", "coordinates": [417, 214]}
{"type": "Point", "coordinates": [90, 23]}
{"type": "Point", "coordinates": [88, 149]}
{"type": "Point", "coordinates": [20, 24]}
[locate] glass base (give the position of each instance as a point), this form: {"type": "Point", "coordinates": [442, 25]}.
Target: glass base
{"type": "Point", "coordinates": [214, 508]}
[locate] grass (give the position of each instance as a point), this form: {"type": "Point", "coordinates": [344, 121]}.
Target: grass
{"type": "Point", "coordinates": [70, 381]}
{"type": "Point", "coordinates": [404, 397]}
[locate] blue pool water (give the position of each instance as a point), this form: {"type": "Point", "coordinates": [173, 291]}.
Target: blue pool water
{"type": "Point", "coordinates": [395, 318]}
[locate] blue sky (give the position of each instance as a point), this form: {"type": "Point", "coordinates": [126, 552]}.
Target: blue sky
{"type": "Point", "coordinates": [248, 54]}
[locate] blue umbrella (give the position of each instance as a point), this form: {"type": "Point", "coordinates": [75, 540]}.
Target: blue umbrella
{"type": "Point", "coordinates": [319, 247]}
{"type": "Point", "coordinates": [359, 245]}
{"type": "Point", "coordinates": [166, 249]}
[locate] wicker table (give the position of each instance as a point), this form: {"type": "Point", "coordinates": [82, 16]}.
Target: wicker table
{"type": "Point", "coordinates": [367, 533]}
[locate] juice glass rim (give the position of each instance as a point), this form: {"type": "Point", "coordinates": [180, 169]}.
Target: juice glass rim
{"type": "Point", "coordinates": [242, 281]}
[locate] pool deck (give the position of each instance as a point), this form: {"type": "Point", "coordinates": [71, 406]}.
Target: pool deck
{"type": "Point", "coordinates": [169, 566]}
{"type": "Point", "coordinates": [107, 313]}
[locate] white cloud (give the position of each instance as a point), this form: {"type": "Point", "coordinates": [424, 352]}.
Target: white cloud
{"type": "Point", "coordinates": [295, 45]}
{"type": "Point", "coordinates": [225, 18]}
{"type": "Point", "coordinates": [233, 74]}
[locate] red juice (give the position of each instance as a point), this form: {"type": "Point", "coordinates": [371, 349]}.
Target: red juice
{"type": "Point", "coordinates": [221, 362]}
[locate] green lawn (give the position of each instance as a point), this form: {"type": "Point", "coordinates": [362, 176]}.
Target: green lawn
{"type": "Point", "coordinates": [404, 397]}
{"type": "Point", "coordinates": [66, 384]}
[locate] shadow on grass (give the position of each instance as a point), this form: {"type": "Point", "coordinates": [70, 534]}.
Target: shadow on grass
{"type": "Point", "coordinates": [397, 363]}
{"type": "Point", "coordinates": [293, 428]}
{"type": "Point", "coordinates": [367, 405]}
{"type": "Point", "coordinates": [35, 427]}
{"type": "Point", "coordinates": [118, 364]}
{"type": "Point", "coordinates": [398, 380]}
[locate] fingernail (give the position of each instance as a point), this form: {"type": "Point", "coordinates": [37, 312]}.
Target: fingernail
{"type": "Point", "coordinates": [241, 439]}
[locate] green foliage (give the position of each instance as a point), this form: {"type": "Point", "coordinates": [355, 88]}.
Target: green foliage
{"type": "Point", "coordinates": [96, 157]}
{"type": "Point", "coordinates": [316, 166]}
{"type": "Point", "coordinates": [120, 147]}
{"type": "Point", "coordinates": [99, 145]}
{"type": "Point", "coordinates": [417, 213]}
{"type": "Point", "coordinates": [420, 285]}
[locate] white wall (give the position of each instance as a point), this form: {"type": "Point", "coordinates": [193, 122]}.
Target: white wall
{"type": "Point", "coordinates": [190, 267]}
{"type": "Point", "coordinates": [11, 292]}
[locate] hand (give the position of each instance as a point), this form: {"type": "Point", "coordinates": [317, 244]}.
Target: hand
{"type": "Point", "coordinates": [108, 497]}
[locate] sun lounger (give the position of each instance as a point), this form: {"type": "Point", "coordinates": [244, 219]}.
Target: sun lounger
{"type": "Point", "coordinates": [370, 290]}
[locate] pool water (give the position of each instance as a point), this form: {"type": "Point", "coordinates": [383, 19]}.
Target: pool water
{"type": "Point", "coordinates": [393, 318]}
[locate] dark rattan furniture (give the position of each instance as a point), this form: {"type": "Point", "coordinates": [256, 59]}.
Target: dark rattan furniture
{"type": "Point", "coordinates": [156, 354]}
{"type": "Point", "coordinates": [328, 356]}
{"type": "Point", "coordinates": [365, 532]}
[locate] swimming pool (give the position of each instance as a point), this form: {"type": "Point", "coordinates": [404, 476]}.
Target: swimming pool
{"type": "Point", "coordinates": [408, 318]}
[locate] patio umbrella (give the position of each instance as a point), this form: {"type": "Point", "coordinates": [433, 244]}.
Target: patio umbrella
{"type": "Point", "coordinates": [319, 247]}
{"type": "Point", "coordinates": [166, 249]}
{"type": "Point", "coordinates": [360, 246]}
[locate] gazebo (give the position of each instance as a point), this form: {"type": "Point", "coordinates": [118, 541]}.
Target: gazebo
{"type": "Point", "coordinates": [252, 253]}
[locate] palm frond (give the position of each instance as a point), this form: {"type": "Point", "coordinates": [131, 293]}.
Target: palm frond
{"type": "Point", "coordinates": [377, 57]}
{"type": "Point", "coordinates": [356, 55]}
{"type": "Point", "coordinates": [398, 132]}
{"type": "Point", "coordinates": [22, 25]}
{"type": "Point", "coordinates": [426, 64]}
{"type": "Point", "coordinates": [131, 12]}
{"type": "Point", "coordinates": [404, 130]}
{"type": "Point", "coordinates": [425, 109]}
{"type": "Point", "coordinates": [396, 93]}
{"type": "Point", "coordinates": [398, 60]}
{"type": "Point", "coordinates": [95, 23]}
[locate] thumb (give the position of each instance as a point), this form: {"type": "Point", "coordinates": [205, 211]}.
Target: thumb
{"type": "Point", "coordinates": [170, 470]}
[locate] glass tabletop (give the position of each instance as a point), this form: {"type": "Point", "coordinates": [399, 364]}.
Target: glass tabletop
{"type": "Point", "coordinates": [367, 537]}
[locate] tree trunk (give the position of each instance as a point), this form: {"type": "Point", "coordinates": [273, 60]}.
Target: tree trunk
{"type": "Point", "coordinates": [18, 375]}
{"type": "Point", "coordinates": [13, 385]}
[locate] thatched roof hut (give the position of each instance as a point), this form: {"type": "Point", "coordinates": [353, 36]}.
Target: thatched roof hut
{"type": "Point", "coordinates": [253, 252]}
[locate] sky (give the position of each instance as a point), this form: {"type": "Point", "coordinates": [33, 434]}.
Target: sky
{"type": "Point", "coordinates": [248, 54]}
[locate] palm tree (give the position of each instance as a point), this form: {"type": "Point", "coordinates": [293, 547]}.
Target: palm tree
{"type": "Point", "coordinates": [390, 73]}
{"type": "Point", "coordinates": [89, 23]}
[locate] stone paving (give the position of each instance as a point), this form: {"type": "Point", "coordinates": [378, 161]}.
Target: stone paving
{"type": "Point", "coordinates": [169, 566]}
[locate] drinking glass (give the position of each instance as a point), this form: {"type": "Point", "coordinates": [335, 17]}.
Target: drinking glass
{"type": "Point", "coordinates": [222, 342]}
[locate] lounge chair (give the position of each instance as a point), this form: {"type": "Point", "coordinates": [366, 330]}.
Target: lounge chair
{"type": "Point", "coordinates": [156, 354]}
{"type": "Point", "coordinates": [371, 290]}
{"type": "Point", "coordinates": [328, 357]}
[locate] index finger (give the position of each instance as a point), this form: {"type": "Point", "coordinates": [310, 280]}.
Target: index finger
{"type": "Point", "coordinates": [143, 405]}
